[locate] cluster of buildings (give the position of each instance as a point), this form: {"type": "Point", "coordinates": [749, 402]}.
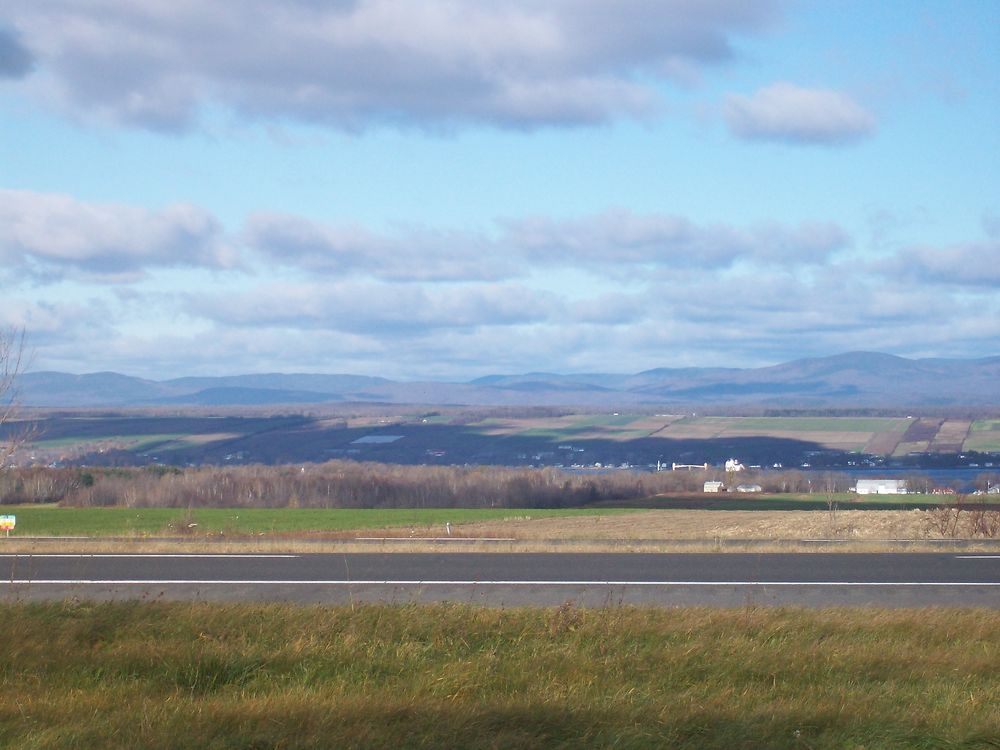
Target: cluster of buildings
{"type": "Point", "coordinates": [721, 487]}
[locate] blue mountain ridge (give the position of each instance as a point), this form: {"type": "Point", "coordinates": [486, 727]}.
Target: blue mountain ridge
{"type": "Point", "coordinates": [851, 379]}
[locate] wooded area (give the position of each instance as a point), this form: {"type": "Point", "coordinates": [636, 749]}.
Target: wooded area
{"type": "Point", "coordinates": [348, 484]}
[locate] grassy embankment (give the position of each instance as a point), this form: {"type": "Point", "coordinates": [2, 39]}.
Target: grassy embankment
{"type": "Point", "coordinates": [56, 521]}
{"type": "Point", "coordinates": [162, 675]}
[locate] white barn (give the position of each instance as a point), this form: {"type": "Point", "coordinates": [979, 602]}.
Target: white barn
{"type": "Point", "coordinates": [881, 487]}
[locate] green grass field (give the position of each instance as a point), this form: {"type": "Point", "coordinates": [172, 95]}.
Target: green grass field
{"type": "Point", "coordinates": [984, 435]}
{"type": "Point", "coordinates": [158, 676]}
{"type": "Point", "coordinates": [133, 442]}
{"type": "Point", "coordinates": [56, 521]}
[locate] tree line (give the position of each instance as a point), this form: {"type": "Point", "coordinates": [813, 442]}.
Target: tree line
{"type": "Point", "coordinates": [348, 484]}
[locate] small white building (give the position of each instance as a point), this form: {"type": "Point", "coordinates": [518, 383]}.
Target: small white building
{"type": "Point", "coordinates": [749, 488]}
{"type": "Point", "coordinates": [734, 465]}
{"type": "Point", "coordinates": [881, 487]}
{"type": "Point", "coordinates": [714, 486]}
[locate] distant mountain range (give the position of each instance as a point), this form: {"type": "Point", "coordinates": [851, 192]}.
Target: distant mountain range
{"type": "Point", "coordinates": [851, 380]}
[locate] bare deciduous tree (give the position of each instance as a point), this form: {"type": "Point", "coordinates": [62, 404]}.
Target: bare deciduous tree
{"type": "Point", "coordinates": [11, 362]}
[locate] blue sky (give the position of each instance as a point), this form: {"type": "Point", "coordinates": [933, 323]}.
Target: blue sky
{"type": "Point", "coordinates": [450, 188]}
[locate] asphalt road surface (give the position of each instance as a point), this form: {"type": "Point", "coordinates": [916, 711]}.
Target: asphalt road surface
{"type": "Point", "coordinates": [813, 579]}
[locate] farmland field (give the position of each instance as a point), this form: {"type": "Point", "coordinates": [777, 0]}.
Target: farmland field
{"type": "Point", "coordinates": [833, 433]}
{"type": "Point", "coordinates": [951, 436]}
{"type": "Point", "coordinates": [820, 424]}
{"type": "Point", "coordinates": [455, 437]}
{"type": "Point", "coordinates": [984, 436]}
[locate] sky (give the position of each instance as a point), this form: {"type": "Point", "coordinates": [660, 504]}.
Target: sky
{"type": "Point", "coordinates": [454, 188]}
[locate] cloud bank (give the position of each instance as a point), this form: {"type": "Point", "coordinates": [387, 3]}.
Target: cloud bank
{"type": "Point", "coordinates": [631, 291]}
{"type": "Point", "coordinates": [50, 232]}
{"type": "Point", "coordinates": [352, 65]}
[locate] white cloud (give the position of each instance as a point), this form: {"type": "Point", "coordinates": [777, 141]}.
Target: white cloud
{"type": "Point", "coordinates": [414, 253]}
{"type": "Point", "coordinates": [598, 242]}
{"type": "Point", "coordinates": [612, 291]}
{"type": "Point", "coordinates": [382, 310]}
{"type": "Point", "coordinates": [51, 231]}
{"type": "Point", "coordinates": [350, 65]}
{"type": "Point", "coordinates": [968, 264]}
{"type": "Point", "coordinates": [46, 234]}
{"type": "Point", "coordinates": [624, 237]}
{"type": "Point", "coordinates": [792, 114]}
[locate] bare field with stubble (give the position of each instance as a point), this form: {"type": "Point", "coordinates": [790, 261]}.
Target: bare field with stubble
{"type": "Point", "coordinates": [714, 524]}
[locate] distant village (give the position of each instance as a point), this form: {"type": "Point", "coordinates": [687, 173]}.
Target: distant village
{"type": "Point", "coordinates": [879, 486]}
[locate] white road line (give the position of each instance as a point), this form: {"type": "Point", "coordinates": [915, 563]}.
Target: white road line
{"type": "Point", "coordinates": [132, 582]}
{"type": "Point", "coordinates": [433, 539]}
{"type": "Point", "coordinates": [977, 557]}
{"type": "Point", "coordinates": [145, 555]}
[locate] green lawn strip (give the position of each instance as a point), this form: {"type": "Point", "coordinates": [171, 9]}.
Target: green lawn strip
{"type": "Point", "coordinates": [130, 441]}
{"type": "Point", "coordinates": [159, 675]}
{"type": "Point", "coordinates": [55, 521]}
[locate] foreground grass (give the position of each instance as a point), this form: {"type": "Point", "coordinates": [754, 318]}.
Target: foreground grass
{"type": "Point", "coordinates": [56, 521]}
{"type": "Point", "coordinates": [159, 675]}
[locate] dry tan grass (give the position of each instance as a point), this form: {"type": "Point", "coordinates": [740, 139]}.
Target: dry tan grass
{"type": "Point", "coordinates": [526, 546]}
{"type": "Point", "coordinates": [713, 524]}
{"type": "Point", "coordinates": [208, 675]}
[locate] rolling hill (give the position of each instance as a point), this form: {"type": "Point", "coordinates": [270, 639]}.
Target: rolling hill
{"type": "Point", "coordinates": [850, 380]}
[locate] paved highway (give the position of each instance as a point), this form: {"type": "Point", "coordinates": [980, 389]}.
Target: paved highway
{"type": "Point", "coordinates": [730, 579]}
